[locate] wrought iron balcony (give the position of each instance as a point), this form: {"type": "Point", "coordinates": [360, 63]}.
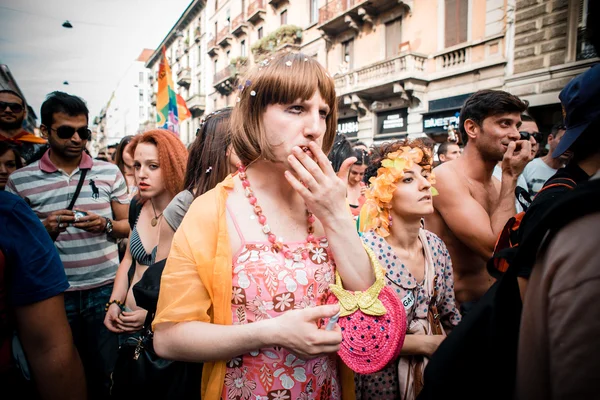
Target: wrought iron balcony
{"type": "Point", "coordinates": [256, 11]}
{"type": "Point", "coordinates": [211, 47]}
{"type": "Point", "coordinates": [224, 81]}
{"type": "Point", "coordinates": [238, 26]}
{"type": "Point", "coordinates": [224, 37]}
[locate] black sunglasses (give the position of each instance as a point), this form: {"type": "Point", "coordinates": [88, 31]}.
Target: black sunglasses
{"type": "Point", "coordinates": [14, 107]}
{"type": "Point", "coordinates": [536, 135]}
{"type": "Point", "coordinates": [66, 132]}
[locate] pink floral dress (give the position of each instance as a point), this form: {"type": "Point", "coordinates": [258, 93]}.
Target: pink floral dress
{"type": "Point", "coordinates": [265, 285]}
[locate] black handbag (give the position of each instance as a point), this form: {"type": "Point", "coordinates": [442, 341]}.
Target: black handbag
{"type": "Point", "coordinates": [140, 373]}
{"type": "Point", "coordinates": [138, 370]}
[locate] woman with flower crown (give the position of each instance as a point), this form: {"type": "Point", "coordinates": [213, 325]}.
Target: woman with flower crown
{"type": "Point", "coordinates": [417, 263]}
{"type": "Point", "coordinates": [245, 284]}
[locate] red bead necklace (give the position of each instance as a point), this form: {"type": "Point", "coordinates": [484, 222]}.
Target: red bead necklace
{"type": "Point", "coordinates": [277, 245]}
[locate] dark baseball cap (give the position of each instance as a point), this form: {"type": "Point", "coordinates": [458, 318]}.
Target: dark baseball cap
{"type": "Point", "coordinates": [580, 101]}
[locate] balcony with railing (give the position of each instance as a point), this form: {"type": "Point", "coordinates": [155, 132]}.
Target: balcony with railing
{"type": "Point", "coordinates": [197, 34]}
{"type": "Point", "coordinates": [153, 98]}
{"type": "Point", "coordinates": [256, 11]}
{"type": "Point", "coordinates": [224, 37]}
{"type": "Point", "coordinates": [238, 26]}
{"type": "Point", "coordinates": [468, 56]}
{"type": "Point", "coordinates": [382, 73]}
{"type": "Point", "coordinates": [224, 80]}
{"type": "Point", "coordinates": [211, 47]}
{"type": "Point", "coordinates": [340, 15]}
{"type": "Point", "coordinates": [184, 77]}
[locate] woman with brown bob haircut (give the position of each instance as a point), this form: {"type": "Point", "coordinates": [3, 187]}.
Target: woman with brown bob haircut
{"type": "Point", "coordinates": [246, 282]}
{"type": "Point", "coordinates": [159, 160]}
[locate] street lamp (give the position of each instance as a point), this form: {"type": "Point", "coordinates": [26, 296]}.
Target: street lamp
{"type": "Point", "coordinates": [67, 24]}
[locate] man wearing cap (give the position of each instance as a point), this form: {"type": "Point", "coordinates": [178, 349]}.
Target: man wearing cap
{"type": "Point", "coordinates": [559, 350]}
{"type": "Point", "coordinates": [12, 114]}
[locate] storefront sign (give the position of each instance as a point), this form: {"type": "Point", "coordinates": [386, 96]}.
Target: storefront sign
{"type": "Point", "coordinates": [348, 127]}
{"type": "Point", "coordinates": [392, 121]}
{"type": "Point", "coordinates": [440, 122]}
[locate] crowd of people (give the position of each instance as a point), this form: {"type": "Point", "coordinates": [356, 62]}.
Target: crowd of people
{"type": "Point", "coordinates": [249, 226]}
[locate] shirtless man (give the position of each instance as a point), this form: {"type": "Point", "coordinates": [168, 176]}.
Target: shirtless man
{"type": "Point", "coordinates": [472, 208]}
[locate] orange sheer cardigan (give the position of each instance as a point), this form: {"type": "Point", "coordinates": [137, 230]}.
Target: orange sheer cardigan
{"type": "Point", "coordinates": [196, 282]}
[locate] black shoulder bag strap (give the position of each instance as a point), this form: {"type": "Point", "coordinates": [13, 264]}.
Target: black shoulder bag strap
{"type": "Point", "coordinates": [78, 189]}
{"type": "Point", "coordinates": [74, 199]}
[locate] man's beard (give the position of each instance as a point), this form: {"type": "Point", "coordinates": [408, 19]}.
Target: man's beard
{"type": "Point", "coordinates": [9, 126]}
{"type": "Point", "coordinates": [490, 154]}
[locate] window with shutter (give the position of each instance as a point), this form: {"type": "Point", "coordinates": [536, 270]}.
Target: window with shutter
{"type": "Point", "coordinates": [585, 49]}
{"type": "Point", "coordinates": [393, 37]}
{"type": "Point", "coordinates": [456, 22]}
{"type": "Point", "coordinates": [348, 54]}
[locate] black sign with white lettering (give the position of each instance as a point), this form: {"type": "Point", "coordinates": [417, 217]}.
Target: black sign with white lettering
{"type": "Point", "coordinates": [392, 121]}
{"type": "Point", "coordinates": [441, 121]}
{"type": "Point", "coordinates": [348, 127]}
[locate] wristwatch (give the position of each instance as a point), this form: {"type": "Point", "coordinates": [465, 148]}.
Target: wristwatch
{"type": "Point", "coordinates": [109, 226]}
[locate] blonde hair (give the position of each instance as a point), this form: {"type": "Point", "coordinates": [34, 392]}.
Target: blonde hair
{"type": "Point", "coordinates": [280, 80]}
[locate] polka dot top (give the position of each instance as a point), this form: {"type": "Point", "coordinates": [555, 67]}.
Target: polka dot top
{"type": "Point", "coordinates": [412, 293]}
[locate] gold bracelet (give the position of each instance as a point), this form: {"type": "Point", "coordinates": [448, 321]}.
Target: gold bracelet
{"type": "Point", "coordinates": [117, 302]}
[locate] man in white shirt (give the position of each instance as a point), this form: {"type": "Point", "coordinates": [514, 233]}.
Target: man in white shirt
{"type": "Point", "coordinates": [538, 171]}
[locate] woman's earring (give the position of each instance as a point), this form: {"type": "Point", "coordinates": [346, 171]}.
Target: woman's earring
{"type": "Point", "coordinates": [390, 220]}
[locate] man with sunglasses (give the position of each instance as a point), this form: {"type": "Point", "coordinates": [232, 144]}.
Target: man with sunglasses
{"type": "Point", "coordinates": [12, 114]}
{"type": "Point", "coordinates": [87, 242]}
{"type": "Point", "coordinates": [538, 171]}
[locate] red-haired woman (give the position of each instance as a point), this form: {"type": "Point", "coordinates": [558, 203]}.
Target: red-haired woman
{"type": "Point", "coordinates": [159, 160]}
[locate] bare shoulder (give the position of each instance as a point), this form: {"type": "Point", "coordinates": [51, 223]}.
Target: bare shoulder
{"type": "Point", "coordinates": [450, 177]}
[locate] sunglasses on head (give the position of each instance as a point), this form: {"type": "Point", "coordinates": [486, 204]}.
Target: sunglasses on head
{"type": "Point", "coordinates": [536, 135]}
{"type": "Point", "coordinates": [14, 107]}
{"type": "Point", "coordinates": [66, 132]}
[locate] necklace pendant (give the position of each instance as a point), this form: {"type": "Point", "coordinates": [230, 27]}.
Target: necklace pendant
{"type": "Point", "coordinates": [154, 221]}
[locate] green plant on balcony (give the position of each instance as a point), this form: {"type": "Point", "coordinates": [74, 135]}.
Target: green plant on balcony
{"type": "Point", "coordinates": [238, 61]}
{"type": "Point", "coordinates": [286, 34]}
{"type": "Point", "coordinates": [187, 42]}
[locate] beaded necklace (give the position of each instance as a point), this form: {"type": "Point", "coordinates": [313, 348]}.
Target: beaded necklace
{"type": "Point", "coordinates": [277, 245]}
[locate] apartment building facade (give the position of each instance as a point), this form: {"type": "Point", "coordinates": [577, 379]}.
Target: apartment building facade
{"type": "Point", "coordinates": [185, 46]}
{"type": "Point", "coordinates": [403, 68]}
{"type": "Point", "coordinates": [549, 49]}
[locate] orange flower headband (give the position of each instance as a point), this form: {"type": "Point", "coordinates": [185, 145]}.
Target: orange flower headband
{"type": "Point", "coordinates": [375, 213]}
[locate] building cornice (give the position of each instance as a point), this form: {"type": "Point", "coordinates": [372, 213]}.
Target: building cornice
{"type": "Point", "coordinates": [193, 9]}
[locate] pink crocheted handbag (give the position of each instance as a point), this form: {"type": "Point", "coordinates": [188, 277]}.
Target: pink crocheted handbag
{"type": "Point", "coordinates": [373, 323]}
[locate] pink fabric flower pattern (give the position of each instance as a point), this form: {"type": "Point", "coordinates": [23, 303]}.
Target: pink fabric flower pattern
{"type": "Point", "coordinates": [238, 386]}
{"type": "Point", "coordinates": [264, 285]}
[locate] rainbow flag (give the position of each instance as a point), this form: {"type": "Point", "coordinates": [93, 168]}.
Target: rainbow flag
{"type": "Point", "coordinates": [182, 109]}
{"type": "Point", "coordinates": [167, 116]}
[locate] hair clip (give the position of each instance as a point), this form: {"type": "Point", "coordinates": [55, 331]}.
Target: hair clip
{"type": "Point", "coordinates": [288, 63]}
{"type": "Point", "coordinates": [209, 169]}
{"type": "Point", "coordinates": [253, 93]}
{"type": "Point", "coordinates": [305, 59]}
